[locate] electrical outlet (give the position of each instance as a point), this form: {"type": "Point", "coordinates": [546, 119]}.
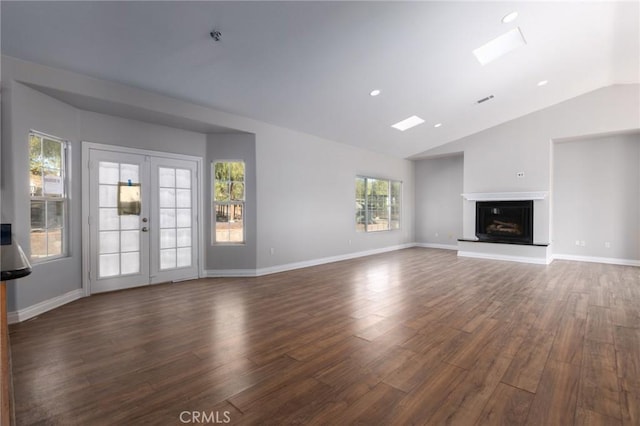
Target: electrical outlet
{"type": "Point", "coordinates": [437, 234]}
{"type": "Point", "coordinates": [582, 244]}
{"type": "Point", "coordinates": [272, 250]}
{"type": "Point", "coordinates": [607, 244]}
{"type": "Point", "coordinates": [577, 242]}
{"type": "Point", "coordinates": [520, 174]}
{"type": "Point", "coordinates": [349, 242]}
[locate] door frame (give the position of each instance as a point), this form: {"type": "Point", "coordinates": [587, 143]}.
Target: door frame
{"type": "Point", "coordinates": [86, 233]}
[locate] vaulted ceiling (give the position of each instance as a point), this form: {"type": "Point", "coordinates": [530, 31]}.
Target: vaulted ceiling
{"type": "Point", "coordinates": [310, 66]}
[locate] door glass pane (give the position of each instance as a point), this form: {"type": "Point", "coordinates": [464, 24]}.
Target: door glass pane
{"type": "Point", "coordinates": [167, 177]}
{"type": "Point", "coordinates": [167, 197]}
{"type": "Point", "coordinates": [130, 222]}
{"type": "Point", "coordinates": [109, 265]}
{"type": "Point", "coordinates": [108, 172]}
{"type": "Point", "coordinates": [167, 218]}
{"type": "Point", "coordinates": [129, 172]}
{"type": "Point", "coordinates": [108, 196]}
{"type": "Point", "coordinates": [183, 178]}
{"type": "Point", "coordinates": [130, 263]}
{"type": "Point", "coordinates": [109, 219]}
{"type": "Point", "coordinates": [130, 240]}
{"type": "Point", "coordinates": [167, 238]}
{"type": "Point", "coordinates": [183, 257]}
{"type": "Point", "coordinates": [183, 198]}
{"type": "Point", "coordinates": [184, 237]}
{"type": "Point", "coordinates": [183, 218]}
{"type": "Point", "coordinates": [109, 242]}
{"type": "Point", "coordinates": [167, 258]}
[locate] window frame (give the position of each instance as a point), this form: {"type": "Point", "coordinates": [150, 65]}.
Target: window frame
{"type": "Point", "coordinates": [389, 207]}
{"type": "Point", "coordinates": [230, 202]}
{"type": "Point", "coordinates": [64, 198]}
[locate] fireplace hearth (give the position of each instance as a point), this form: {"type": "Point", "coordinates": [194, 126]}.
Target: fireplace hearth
{"type": "Point", "coordinates": [505, 221]}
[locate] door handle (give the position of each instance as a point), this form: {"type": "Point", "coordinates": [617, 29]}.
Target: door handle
{"type": "Point", "coordinates": [145, 229]}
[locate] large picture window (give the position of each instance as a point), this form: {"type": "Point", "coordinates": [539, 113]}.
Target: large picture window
{"type": "Point", "coordinates": [378, 204]}
{"type": "Point", "coordinates": [228, 202]}
{"type": "Point", "coordinates": [48, 192]}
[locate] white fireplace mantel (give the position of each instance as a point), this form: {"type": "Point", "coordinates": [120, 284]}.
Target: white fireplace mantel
{"type": "Point", "coordinates": [505, 196]}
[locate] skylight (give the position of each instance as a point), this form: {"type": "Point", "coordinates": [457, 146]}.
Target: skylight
{"type": "Point", "coordinates": [500, 46]}
{"type": "Point", "coordinates": [408, 123]}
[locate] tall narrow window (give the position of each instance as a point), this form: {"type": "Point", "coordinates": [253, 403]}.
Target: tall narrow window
{"type": "Point", "coordinates": [228, 202]}
{"type": "Point", "coordinates": [378, 204]}
{"type": "Point", "coordinates": [48, 192]}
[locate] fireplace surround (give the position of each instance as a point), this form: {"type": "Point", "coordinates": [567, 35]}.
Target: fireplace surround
{"type": "Point", "coordinates": [505, 221]}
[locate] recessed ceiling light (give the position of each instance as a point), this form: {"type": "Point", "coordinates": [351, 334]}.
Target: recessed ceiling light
{"type": "Point", "coordinates": [437, 125]}
{"type": "Point", "coordinates": [543, 83]}
{"type": "Point", "coordinates": [375, 92]}
{"type": "Point", "coordinates": [500, 46]}
{"type": "Point", "coordinates": [509, 17]}
{"type": "Point", "coordinates": [408, 123]}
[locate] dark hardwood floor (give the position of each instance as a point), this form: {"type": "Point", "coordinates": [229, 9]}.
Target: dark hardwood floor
{"type": "Point", "coordinates": [416, 336]}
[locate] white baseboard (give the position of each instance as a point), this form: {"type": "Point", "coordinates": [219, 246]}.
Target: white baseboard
{"type": "Point", "coordinates": [438, 246]}
{"type": "Point", "coordinates": [594, 259]}
{"type": "Point", "coordinates": [44, 306]}
{"type": "Point", "coordinates": [217, 273]}
{"type": "Point", "coordinates": [522, 259]}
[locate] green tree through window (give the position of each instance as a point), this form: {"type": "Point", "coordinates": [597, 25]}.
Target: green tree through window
{"type": "Point", "coordinates": [228, 201]}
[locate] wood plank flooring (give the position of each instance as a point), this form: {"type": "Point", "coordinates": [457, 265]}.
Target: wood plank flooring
{"type": "Point", "coordinates": [416, 336]}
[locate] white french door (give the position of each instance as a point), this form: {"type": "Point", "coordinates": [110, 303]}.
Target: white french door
{"type": "Point", "coordinates": [142, 224]}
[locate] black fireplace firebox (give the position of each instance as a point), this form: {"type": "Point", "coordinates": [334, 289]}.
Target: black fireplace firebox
{"type": "Point", "coordinates": [505, 221]}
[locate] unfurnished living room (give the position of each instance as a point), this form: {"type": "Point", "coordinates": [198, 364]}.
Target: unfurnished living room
{"type": "Point", "coordinates": [320, 212]}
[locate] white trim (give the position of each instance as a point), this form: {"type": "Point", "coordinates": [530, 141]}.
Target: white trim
{"type": "Point", "coordinates": [505, 196]}
{"type": "Point", "coordinates": [438, 246]}
{"type": "Point", "coordinates": [216, 273]}
{"type": "Point", "coordinates": [44, 306]}
{"type": "Point", "coordinates": [595, 259]}
{"type": "Point", "coordinates": [521, 259]}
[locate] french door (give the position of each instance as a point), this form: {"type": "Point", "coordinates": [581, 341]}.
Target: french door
{"type": "Point", "coordinates": [142, 222]}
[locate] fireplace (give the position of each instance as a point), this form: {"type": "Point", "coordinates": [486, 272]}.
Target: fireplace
{"type": "Point", "coordinates": [505, 221]}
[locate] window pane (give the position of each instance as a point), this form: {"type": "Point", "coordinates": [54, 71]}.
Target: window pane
{"type": "Point", "coordinates": [184, 237]}
{"type": "Point", "coordinates": [237, 191]}
{"type": "Point", "coordinates": [222, 223]}
{"type": "Point", "coordinates": [396, 202]}
{"type": "Point", "coordinates": [109, 265]}
{"type": "Point", "coordinates": [167, 218]}
{"type": "Point", "coordinates": [221, 171]}
{"type": "Point", "coordinates": [55, 214]}
{"type": "Point", "coordinates": [109, 242]}
{"type": "Point", "coordinates": [236, 224]}
{"type": "Point", "coordinates": [53, 185]}
{"type": "Point", "coordinates": [237, 171]}
{"type": "Point", "coordinates": [54, 242]}
{"type": "Point", "coordinates": [130, 240]}
{"type": "Point", "coordinates": [35, 165]}
{"type": "Point", "coordinates": [38, 243]}
{"type": "Point", "coordinates": [221, 191]}
{"type": "Point", "coordinates": [183, 218]}
{"type": "Point", "coordinates": [52, 154]}
{"type": "Point", "coordinates": [37, 215]}
{"type": "Point", "coordinates": [109, 220]}
{"type": "Point", "coordinates": [167, 238]}
{"type": "Point", "coordinates": [360, 204]}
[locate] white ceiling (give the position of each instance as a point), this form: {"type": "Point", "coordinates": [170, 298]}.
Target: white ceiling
{"type": "Point", "coordinates": [310, 66]}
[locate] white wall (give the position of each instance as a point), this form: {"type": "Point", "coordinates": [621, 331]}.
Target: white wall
{"type": "Point", "coordinates": [439, 183]}
{"type": "Point", "coordinates": [597, 197]}
{"type": "Point", "coordinates": [494, 156]}
{"type": "Point", "coordinates": [306, 197]}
